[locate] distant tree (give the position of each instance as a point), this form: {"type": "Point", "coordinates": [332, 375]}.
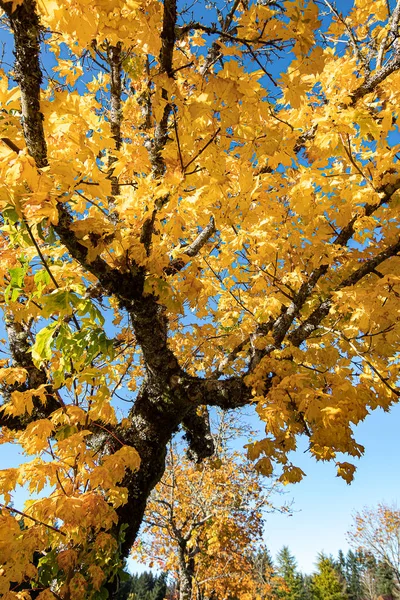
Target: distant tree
{"type": "Point", "coordinates": [124, 588]}
{"type": "Point", "coordinates": [264, 572]}
{"type": "Point", "coordinates": [267, 583]}
{"type": "Point", "coordinates": [148, 586]}
{"type": "Point", "coordinates": [351, 568]}
{"type": "Point", "coordinates": [287, 569]}
{"type": "Point", "coordinates": [385, 582]}
{"type": "Point", "coordinates": [341, 563]}
{"type": "Point", "coordinates": [369, 579]}
{"type": "Point", "coordinates": [203, 523]}
{"type": "Point", "coordinates": [306, 587]}
{"type": "Point", "coordinates": [376, 531]}
{"type": "Point", "coordinates": [327, 583]}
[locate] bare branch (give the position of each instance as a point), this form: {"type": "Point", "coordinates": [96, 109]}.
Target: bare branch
{"type": "Point", "coordinates": [391, 35]}
{"type": "Point", "coordinates": [11, 509]}
{"type": "Point", "coordinates": [371, 82]}
{"type": "Point", "coordinates": [352, 37]}
{"type": "Point", "coordinates": [192, 249]}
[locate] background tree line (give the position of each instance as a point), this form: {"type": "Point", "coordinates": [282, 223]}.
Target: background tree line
{"type": "Point", "coordinates": [353, 576]}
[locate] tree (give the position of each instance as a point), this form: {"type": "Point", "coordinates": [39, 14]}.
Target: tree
{"type": "Point", "coordinates": [386, 581]}
{"type": "Point", "coordinates": [124, 588]}
{"type": "Point", "coordinates": [266, 582]}
{"type": "Point", "coordinates": [148, 587]}
{"type": "Point", "coordinates": [376, 532]}
{"type": "Point", "coordinates": [352, 568]}
{"type": "Point", "coordinates": [203, 523]}
{"type": "Point", "coordinates": [287, 569]}
{"type": "Point", "coordinates": [239, 227]}
{"type": "Point", "coordinates": [306, 593]}
{"type": "Point", "coordinates": [327, 583]}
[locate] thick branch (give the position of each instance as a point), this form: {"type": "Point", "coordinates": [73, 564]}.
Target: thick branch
{"type": "Point", "coordinates": [25, 25]}
{"type": "Point", "coordinates": [347, 232]}
{"type": "Point", "coordinates": [198, 434]}
{"type": "Point", "coordinates": [157, 144]}
{"type": "Point", "coordinates": [20, 349]}
{"type": "Point", "coordinates": [166, 62]}
{"type": "Point", "coordinates": [283, 323]}
{"type": "Point", "coordinates": [115, 62]}
{"type": "Point", "coordinates": [168, 37]}
{"type": "Point", "coordinates": [114, 55]}
{"type": "Point", "coordinates": [153, 422]}
{"type": "Point", "coordinates": [228, 393]}
{"type": "Point", "coordinates": [375, 79]}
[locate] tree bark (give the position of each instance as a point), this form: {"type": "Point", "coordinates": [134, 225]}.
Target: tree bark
{"type": "Point", "coordinates": [186, 572]}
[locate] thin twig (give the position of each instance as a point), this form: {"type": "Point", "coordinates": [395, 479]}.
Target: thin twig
{"type": "Point", "coordinates": [22, 514]}
{"type": "Point", "coordinates": [202, 150]}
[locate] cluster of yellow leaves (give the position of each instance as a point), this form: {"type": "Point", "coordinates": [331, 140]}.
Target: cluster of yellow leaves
{"type": "Point", "coordinates": [70, 524]}
{"type": "Point", "coordinates": [81, 22]}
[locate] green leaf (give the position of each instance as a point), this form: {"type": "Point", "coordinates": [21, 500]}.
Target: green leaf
{"type": "Point", "coordinates": [61, 302]}
{"type": "Point", "coordinates": [65, 432]}
{"type": "Point", "coordinates": [102, 594]}
{"type": "Point", "coordinates": [17, 277]}
{"type": "Point", "coordinates": [15, 287]}
{"type": "Point", "coordinates": [42, 280]}
{"type": "Point", "coordinates": [47, 568]}
{"type": "Point", "coordinates": [86, 306]}
{"type": "Point", "coordinates": [41, 349]}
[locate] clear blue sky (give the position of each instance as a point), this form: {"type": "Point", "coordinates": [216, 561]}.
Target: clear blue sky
{"type": "Point", "coordinates": [323, 503]}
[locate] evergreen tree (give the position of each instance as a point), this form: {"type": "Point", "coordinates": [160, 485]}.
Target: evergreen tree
{"type": "Point", "coordinates": [264, 572]}
{"type": "Point", "coordinates": [342, 564]}
{"type": "Point", "coordinates": [385, 580]}
{"type": "Point", "coordinates": [287, 569]}
{"type": "Point", "coordinates": [327, 583]}
{"type": "Point", "coordinates": [353, 574]}
{"type": "Point", "coordinates": [306, 592]}
{"type": "Point", "coordinates": [147, 586]}
{"type": "Point", "coordinates": [160, 587]}
{"type": "Point", "coordinates": [124, 588]}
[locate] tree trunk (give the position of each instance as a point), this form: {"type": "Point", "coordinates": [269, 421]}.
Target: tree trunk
{"type": "Point", "coordinates": [186, 571]}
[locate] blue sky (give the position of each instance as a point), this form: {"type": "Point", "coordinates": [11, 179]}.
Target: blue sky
{"type": "Point", "coordinates": [323, 503]}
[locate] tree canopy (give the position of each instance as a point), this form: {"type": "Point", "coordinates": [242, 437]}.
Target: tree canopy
{"type": "Point", "coordinates": [198, 209]}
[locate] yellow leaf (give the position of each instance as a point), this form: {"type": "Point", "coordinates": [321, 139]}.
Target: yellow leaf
{"type": "Point", "coordinates": [346, 471]}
